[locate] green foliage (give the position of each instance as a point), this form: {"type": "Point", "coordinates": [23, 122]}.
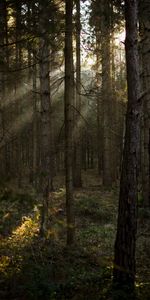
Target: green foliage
{"type": "Point", "coordinates": [140, 199]}
{"type": "Point", "coordinates": [20, 196]}
{"type": "Point", "coordinates": [143, 291]}
{"type": "Point", "coordinates": [13, 204]}
{"type": "Point", "coordinates": [37, 284]}
{"type": "Point", "coordinates": [144, 213]}
{"type": "Point", "coordinates": [124, 294]}
{"type": "Point", "coordinates": [95, 209]}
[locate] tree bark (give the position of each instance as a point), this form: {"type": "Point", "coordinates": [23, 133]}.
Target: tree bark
{"type": "Point", "coordinates": [77, 181]}
{"type": "Point", "coordinates": [99, 105]}
{"type": "Point", "coordinates": [68, 97]}
{"type": "Point", "coordinates": [35, 125]}
{"type": "Point", "coordinates": [46, 172]}
{"type": "Point", "coordinates": [2, 88]}
{"type": "Point", "coordinates": [124, 261]}
{"type": "Point", "coordinates": [106, 93]}
{"type": "Point", "coordinates": [144, 15]}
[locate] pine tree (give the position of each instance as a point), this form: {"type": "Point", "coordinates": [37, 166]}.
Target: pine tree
{"type": "Point", "coordinates": [124, 262]}
{"type": "Point", "coordinates": [69, 94]}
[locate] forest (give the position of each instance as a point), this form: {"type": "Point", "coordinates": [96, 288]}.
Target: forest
{"type": "Point", "coordinates": [74, 149]}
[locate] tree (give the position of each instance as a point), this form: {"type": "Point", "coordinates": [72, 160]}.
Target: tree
{"type": "Point", "coordinates": [5, 113]}
{"type": "Point", "coordinates": [46, 172]}
{"type": "Point", "coordinates": [124, 261]}
{"type": "Point", "coordinates": [68, 98]}
{"type": "Point", "coordinates": [103, 18]}
{"type": "Point", "coordinates": [106, 92]}
{"type": "Point", "coordinates": [144, 15]}
{"type": "Point", "coordinates": [77, 181]}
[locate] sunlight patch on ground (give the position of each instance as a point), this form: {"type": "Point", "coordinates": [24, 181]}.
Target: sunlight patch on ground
{"type": "Point", "coordinates": [4, 263]}
{"type": "Point", "coordinates": [26, 231]}
{"type": "Point", "coordinates": [21, 237]}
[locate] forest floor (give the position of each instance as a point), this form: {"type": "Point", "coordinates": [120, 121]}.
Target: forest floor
{"type": "Point", "coordinates": [32, 268]}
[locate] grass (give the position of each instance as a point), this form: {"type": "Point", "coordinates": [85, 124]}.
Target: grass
{"type": "Point", "coordinates": [32, 268]}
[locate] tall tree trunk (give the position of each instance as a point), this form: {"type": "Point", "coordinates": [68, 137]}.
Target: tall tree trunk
{"type": "Point", "coordinates": [114, 108]}
{"type": "Point", "coordinates": [77, 181]}
{"type": "Point", "coordinates": [69, 87]}
{"type": "Point", "coordinates": [106, 93]}
{"type": "Point", "coordinates": [35, 123]}
{"type": "Point", "coordinates": [144, 13]}
{"type": "Point", "coordinates": [124, 262]}
{"type": "Point", "coordinates": [2, 86]}
{"type": "Point", "coordinates": [6, 33]}
{"type": "Point", "coordinates": [99, 105]}
{"type": "Point", "coordinates": [18, 59]}
{"type": "Point", "coordinates": [46, 172]}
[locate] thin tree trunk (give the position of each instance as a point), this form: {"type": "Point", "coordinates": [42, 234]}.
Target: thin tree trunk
{"type": "Point", "coordinates": [106, 94]}
{"type": "Point", "coordinates": [69, 87]}
{"type": "Point", "coordinates": [2, 86]}
{"type": "Point", "coordinates": [35, 127]}
{"type": "Point", "coordinates": [46, 172]}
{"type": "Point", "coordinates": [77, 181]}
{"type": "Point", "coordinates": [18, 59]}
{"type": "Point", "coordinates": [99, 106]}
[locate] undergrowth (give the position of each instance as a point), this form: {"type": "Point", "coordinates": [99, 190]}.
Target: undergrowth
{"type": "Point", "coordinates": [32, 268]}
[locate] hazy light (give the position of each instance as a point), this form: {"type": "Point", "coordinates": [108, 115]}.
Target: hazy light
{"type": "Point", "coordinates": [120, 38]}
